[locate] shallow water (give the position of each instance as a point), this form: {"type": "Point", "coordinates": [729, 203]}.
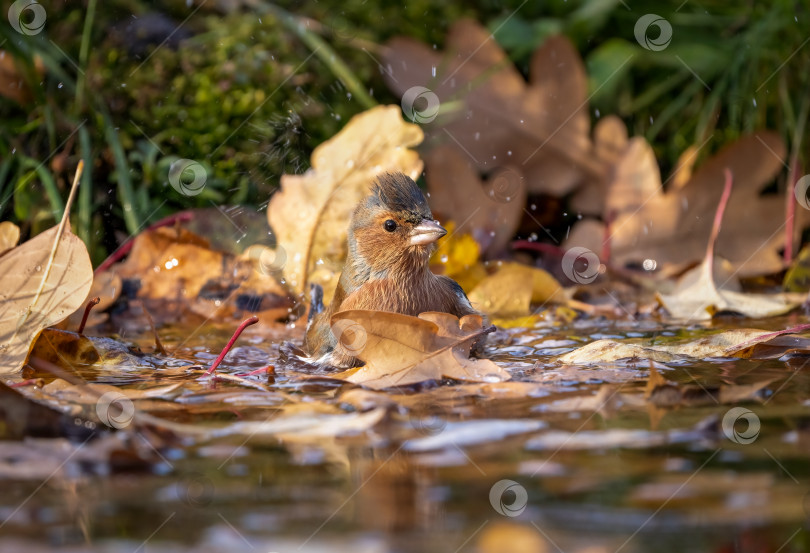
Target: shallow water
{"type": "Point", "coordinates": [628, 477]}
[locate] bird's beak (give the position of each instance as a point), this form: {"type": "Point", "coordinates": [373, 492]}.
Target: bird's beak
{"type": "Point", "coordinates": [426, 232]}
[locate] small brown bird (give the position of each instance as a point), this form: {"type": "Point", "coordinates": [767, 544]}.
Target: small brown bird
{"type": "Point", "coordinates": [391, 237]}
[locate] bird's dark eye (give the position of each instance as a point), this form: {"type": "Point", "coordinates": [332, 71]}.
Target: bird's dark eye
{"type": "Point", "coordinates": [390, 225]}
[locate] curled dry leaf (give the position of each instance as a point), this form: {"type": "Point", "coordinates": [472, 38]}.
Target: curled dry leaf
{"type": "Point", "coordinates": [36, 292]}
{"type": "Point", "coordinates": [310, 213]}
{"type": "Point", "coordinates": [490, 211]}
{"type": "Point", "coordinates": [696, 296]}
{"type": "Point", "coordinates": [542, 125]}
{"type": "Point", "coordinates": [399, 350]}
{"type": "Point", "coordinates": [672, 226]}
{"type": "Point", "coordinates": [9, 236]}
{"type": "Point", "coordinates": [176, 269]}
{"type": "Point", "coordinates": [513, 288]}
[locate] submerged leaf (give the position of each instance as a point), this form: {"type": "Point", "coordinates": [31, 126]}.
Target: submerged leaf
{"type": "Point", "coordinates": [399, 350]}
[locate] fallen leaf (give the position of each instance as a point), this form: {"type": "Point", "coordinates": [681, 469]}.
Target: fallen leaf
{"type": "Point", "coordinates": [310, 213]}
{"type": "Point", "coordinates": [513, 288]}
{"type": "Point", "coordinates": [458, 257]}
{"type": "Point", "coordinates": [738, 342]}
{"type": "Point", "coordinates": [9, 236]}
{"type": "Point", "coordinates": [175, 270]}
{"type": "Point", "coordinates": [38, 289]}
{"type": "Point", "coordinates": [490, 212]}
{"type": "Point", "coordinates": [671, 227]}
{"type": "Point", "coordinates": [696, 296]}
{"type": "Point", "coordinates": [62, 391]}
{"type": "Point", "coordinates": [399, 350]}
{"type": "Point", "coordinates": [541, 125]}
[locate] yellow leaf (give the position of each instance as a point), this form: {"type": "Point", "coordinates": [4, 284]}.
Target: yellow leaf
{"type": "Point", "coordinates": [511, 290]}
{"type": "Point", "coordinates": [9, 236]}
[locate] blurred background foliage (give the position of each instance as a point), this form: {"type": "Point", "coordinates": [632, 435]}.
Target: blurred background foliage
{"type": "Point", "coordinates": [248, 88]}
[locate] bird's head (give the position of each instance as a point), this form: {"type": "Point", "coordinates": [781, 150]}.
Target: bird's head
{"type": "Point", "coordinates": [393, 228]}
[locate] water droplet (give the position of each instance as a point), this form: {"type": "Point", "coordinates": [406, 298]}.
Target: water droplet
{"type": "Point", "coordinates": [444, 259]}
{"type": "Point", "coordinates": [492, 377]}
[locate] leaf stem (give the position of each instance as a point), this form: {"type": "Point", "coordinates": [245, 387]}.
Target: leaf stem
{"type": "Point", "coordinates": [718, 219]}
{"type": "Point", "coordinates": [246, 323]}
{"type": "Point", "coordinates": [90, 305]}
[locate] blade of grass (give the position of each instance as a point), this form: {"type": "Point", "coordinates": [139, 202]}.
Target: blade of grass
{"type": "Point", "coordinates": [48, 182]}
{"type": "Point", "coordinates": [86, 189]}
{"type": "Point", "coordinates": [83, 53]}
{"type": "Point", "coordinates": [125, 192]}
{"type": "Point", "coordinates": [322, 50]}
